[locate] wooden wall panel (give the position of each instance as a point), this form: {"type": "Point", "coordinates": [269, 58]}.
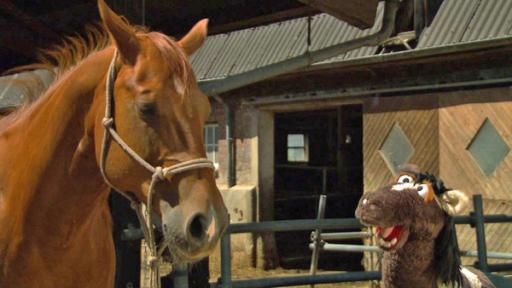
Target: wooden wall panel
{"type": "Point", "coordinates": [460, 116]}
{"type": "Point", "coordinates": [418, 118]}
{"type": "Point", "coordinates": [440, 127]}
{"type": "Point", "coordinates": [498, 235]}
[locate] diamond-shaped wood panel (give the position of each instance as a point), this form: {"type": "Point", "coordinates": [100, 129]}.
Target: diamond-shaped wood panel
{"type": "Point", "coordinates": [488, 148]}
{"type": "Point", "coordinates": [396, 149]}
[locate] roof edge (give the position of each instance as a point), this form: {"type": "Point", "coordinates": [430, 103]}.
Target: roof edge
{"type": "Point", "coordinates": [402, 55]}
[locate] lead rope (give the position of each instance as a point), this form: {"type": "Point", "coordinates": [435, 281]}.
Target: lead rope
{"type": "Point", "coordinates": [158, 174]}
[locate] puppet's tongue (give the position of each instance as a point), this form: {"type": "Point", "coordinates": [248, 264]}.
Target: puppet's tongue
{"type": "Point", "coordinates": [390, 233]}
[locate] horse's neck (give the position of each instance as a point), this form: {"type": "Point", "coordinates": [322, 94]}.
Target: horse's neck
{"type": "Point", "coordinates": [48, 174]}
{"type": "Point", "coordinates": [410, 266]}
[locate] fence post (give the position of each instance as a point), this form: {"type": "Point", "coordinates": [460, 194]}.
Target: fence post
{"type": "Point", "coordinates": [180, 276]}
{"type": "Point", "coordinates": [478, 218]}
{"type": "Point", "coordinates": [317, 239]}
{"type": "Point", "coordinates": [225, 260]}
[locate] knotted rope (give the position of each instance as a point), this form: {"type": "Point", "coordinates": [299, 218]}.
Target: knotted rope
{"type": "Point", "coordinates": [158, 174]}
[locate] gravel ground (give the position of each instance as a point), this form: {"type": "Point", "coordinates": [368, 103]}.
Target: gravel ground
{"type": "Point", "coordinates": [252, 273]}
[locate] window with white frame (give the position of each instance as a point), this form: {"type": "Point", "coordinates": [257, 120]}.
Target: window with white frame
{"type": "Point", "coordinates": [297, 146]}
{"type": "Point", "coordinates": [211, 142]}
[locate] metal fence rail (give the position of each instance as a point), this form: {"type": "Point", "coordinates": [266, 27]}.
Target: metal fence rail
{"type": "Point", "coordinates": [475, 219]}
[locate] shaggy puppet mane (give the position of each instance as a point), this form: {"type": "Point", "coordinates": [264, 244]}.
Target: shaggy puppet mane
{"type": "Point", "coordinates": [447, 255]}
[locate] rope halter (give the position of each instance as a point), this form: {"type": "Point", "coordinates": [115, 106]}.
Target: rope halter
{"type": "Point", "coordinates": [158, 174]}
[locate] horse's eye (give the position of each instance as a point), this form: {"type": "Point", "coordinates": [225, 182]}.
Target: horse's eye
{"type": "Point", "coordinates": [404, 179]}
{"type": "Point", "coordinates": [147, 109]}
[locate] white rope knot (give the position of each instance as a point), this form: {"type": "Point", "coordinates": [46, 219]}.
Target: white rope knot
{"type": "Point", "coordinates": [153, 261]}
{"type": "Point", "coordinates": [107, 122]}
{"type": "Point", "coordinates": [159, 174]}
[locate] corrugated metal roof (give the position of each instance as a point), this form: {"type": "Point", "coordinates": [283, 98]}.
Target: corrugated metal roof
{"type": "Point", "coordinates": [492, 19]}
{"type": "Point", "coordinates": [450, 23]}
{"type": "Point", "coordinates": [460, 21]}
{"type": "Point", "coordinates": [205, 57]}
{"type": "Point", "coordinates": [13, 89]}
{"type": "Point", "coordinates": [330, 31]}
{"type": "Point", "coordinates": [457, 21]}
{"type": "Point", "coordinates": [245, 50]}
{"type": "Point", "coordinates": [224, 55]}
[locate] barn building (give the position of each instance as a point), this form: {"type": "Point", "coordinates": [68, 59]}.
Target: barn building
{"type": "Point", "coordinates": [436, 93]}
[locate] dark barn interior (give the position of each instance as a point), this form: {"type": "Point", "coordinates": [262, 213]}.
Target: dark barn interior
{"type": "Point", "coordinates": [317, 152]}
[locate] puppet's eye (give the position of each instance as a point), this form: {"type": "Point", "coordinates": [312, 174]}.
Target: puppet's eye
{"type": "Point", "coordinates": [404, 179]}
{"type": "Point", "coordinates": [422, 190]}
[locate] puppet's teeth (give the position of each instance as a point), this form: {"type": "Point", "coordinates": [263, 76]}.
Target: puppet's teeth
{"type": "Point", "coordinates": [384, 243]}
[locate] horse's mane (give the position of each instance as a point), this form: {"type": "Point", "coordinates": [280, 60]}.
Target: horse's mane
{"type": "Point", "coordinates": [62, 58]}
{"type": "Point", "coordinates": [447, 256]}
{"type": "Point", "coordinates": [56, 60]}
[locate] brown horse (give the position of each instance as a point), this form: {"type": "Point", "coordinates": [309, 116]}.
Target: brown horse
{"type": "Point", "coordinates": [415, 230]}
{"type": "Point", "coordinates": [55, 224]}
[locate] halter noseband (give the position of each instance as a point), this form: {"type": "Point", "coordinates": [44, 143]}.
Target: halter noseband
{"type": "Point", "coordinates": [158, 174]}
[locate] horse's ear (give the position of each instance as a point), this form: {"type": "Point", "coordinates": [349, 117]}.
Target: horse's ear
{"type": "Point", "coordinates": [121, 32]}
{"type": "Point", "coordinates": [455, 202]}
{"type": "Point", "coordinates": [195, 37]}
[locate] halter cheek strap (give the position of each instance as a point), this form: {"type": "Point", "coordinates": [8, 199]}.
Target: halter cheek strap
{"type": "Point", "coordinates": [158, 174]}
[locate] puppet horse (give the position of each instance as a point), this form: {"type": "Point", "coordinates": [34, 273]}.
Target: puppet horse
{"type": "Point", "coordinates": [414, 227]}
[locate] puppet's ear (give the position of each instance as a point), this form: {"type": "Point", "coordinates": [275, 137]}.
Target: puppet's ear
{"type": "Point", "coordinates": [454, 202]}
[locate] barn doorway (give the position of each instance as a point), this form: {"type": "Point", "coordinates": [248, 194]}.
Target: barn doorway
{"type": "Point", "coordinates": [317, 152]}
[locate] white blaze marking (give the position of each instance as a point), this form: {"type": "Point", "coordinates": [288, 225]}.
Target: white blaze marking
{"type": "Point", "coordinates": [179, 86]}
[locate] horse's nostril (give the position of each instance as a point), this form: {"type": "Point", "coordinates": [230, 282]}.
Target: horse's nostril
{"type": "Point", "coordinates": [197, 227]}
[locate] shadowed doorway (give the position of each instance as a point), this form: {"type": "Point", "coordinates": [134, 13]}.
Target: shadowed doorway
{"type": "Point", "coordinates": [317, 152]}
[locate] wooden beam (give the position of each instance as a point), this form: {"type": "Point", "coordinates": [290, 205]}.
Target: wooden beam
{"type": "Point", "coordinates": [18, 45]}
{"type": "Point", "coordinates": [265, 19]}
{"type": "Point", "coordinates": [30, 22]}
{"type": "Point", "coordinates": [75, 15]}
{"type": "Point", "coordinates": [360, 13]}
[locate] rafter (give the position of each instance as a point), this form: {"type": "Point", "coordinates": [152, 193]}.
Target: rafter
{"type": "Point", "coordinates": [265, 19]}
{"type": "Point", "coordinates": [355, 12]}
{"type": "Point", "coordinates": [29, 21]}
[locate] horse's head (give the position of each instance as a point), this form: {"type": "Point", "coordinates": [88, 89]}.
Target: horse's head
{"type": "Point", "coordinates": [159, 112]}
{"type": "Point", "coordinates": [415, 207]}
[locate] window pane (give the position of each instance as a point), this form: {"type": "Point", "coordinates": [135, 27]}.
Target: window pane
{"type": "Point", "coordinates": [209, 138]}
{"type": "Point", "coordinates": [211, 132]}
{"type": "Point", "coordinates": [215, 128]}
{"type": "Point", "coordinates": [296, 155]}
{"type": "Point", "coordinates": [210, 155]}
{"type": "Point", "coordinates": [295, 140]}
{"type": "Point", "coordinates": [211, 148]}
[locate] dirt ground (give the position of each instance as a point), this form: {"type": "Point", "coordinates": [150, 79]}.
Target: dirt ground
{"type": "Point", "coordinates": [252, 273]}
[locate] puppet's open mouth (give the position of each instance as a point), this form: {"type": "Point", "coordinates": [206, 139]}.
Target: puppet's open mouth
{"type": "Point", "coordinates": [391, 238]}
